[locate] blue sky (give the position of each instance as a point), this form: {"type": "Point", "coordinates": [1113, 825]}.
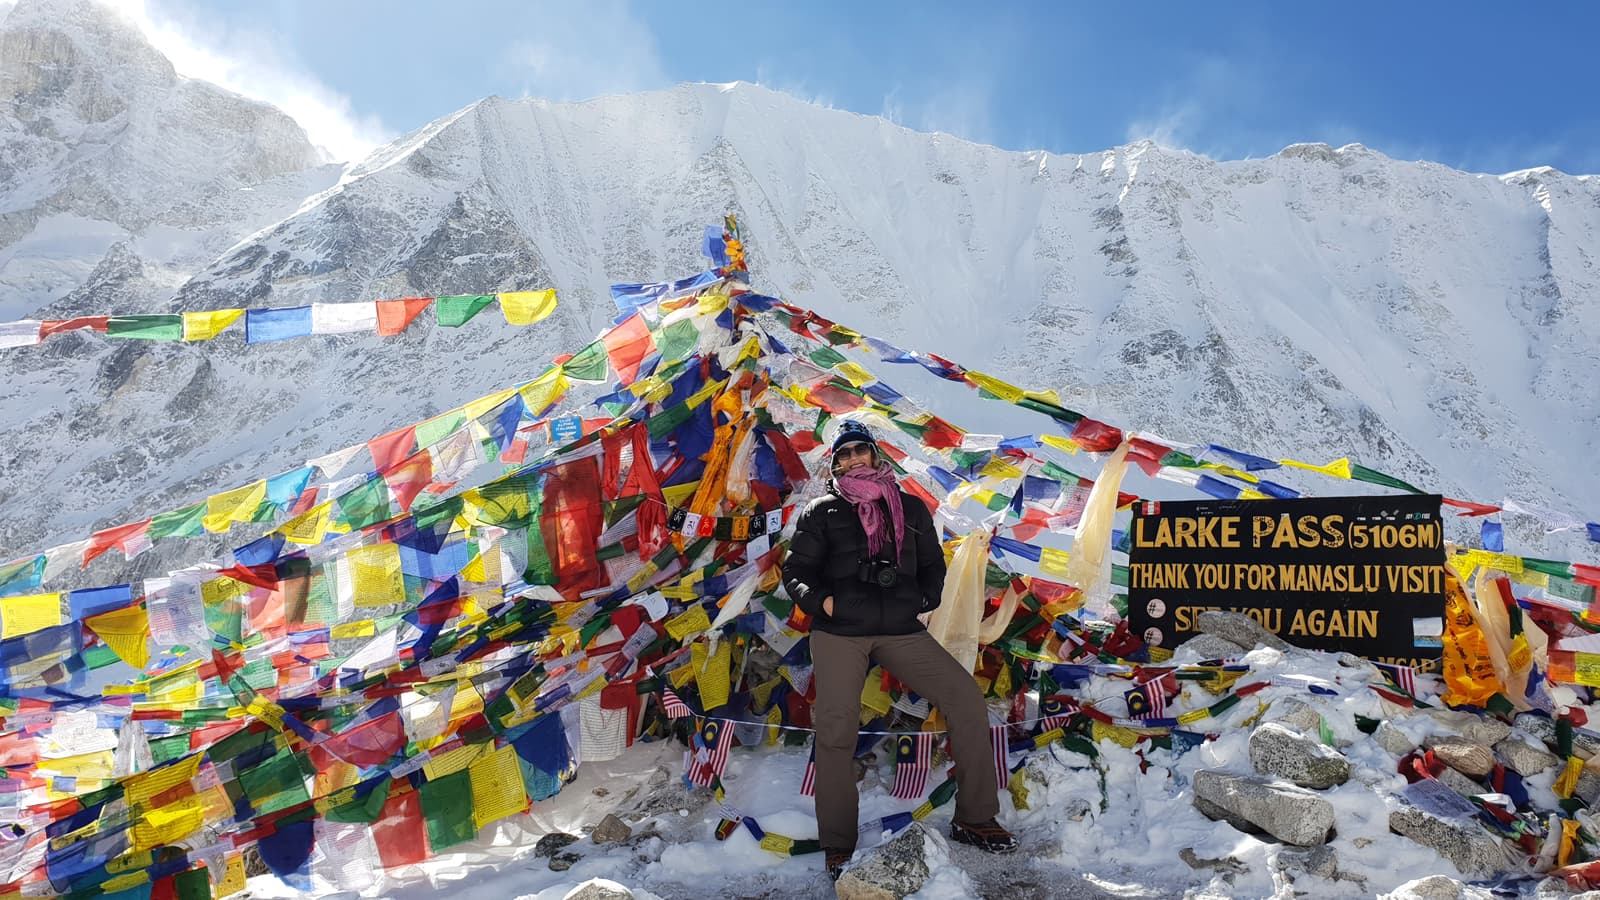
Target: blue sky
{"type": "Point", "coordinates": [1472, 85]}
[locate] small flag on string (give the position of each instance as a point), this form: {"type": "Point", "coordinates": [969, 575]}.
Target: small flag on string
{"type": "Point", "coordinates": [1146, 701]}
{"type": "Point", "coordinates": [672, 705]}
{"type": "Point", "coordinates": [1054, 712]}
{"type": "Point", "coordinates": [1404, 677]}
{"type": "Point", "coordinates": [913, 758]}
{"type": "Point", "coordinates": [710, 754]}
{"type": "Point", "coordinates": [808, 784]}
{"type": "Point", "coordinates": [1002, 769]}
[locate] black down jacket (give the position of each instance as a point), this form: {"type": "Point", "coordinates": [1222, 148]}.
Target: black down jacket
{"type": "Point", "coordinates": [824, 556]}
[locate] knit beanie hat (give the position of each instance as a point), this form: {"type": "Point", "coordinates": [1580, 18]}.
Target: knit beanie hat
{"type": "Point", "coordinates": [851, 432]}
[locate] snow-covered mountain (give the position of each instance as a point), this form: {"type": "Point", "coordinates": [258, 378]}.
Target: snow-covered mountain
{"type": "Point", "coordinates": [1435, 324]}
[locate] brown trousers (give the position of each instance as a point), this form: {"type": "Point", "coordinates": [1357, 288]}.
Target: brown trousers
{"type": "Point", "coordinates": [840, 669]}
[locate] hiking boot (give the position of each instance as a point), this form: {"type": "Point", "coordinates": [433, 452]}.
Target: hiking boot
{"type": "Point", "coordinates": [836, 860]}
{"type": "Point", "coordinates": [987, 836]}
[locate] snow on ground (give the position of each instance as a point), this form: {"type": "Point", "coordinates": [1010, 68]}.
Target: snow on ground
{"type": "Point", "coordinates": [1127, 839]}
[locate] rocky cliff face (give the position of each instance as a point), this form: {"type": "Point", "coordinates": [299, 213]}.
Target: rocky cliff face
{"type": "Point", "coordinates": [1435, 324]}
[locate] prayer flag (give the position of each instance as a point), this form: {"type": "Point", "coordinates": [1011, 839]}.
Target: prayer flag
{"type": "Point", "coordinates": [453, 312]}
{"type": "Point", "coordinates": [19, 334]}
{"type": "Point", "coordinates": [263, 325]}
{"type": "Point", "coordinates": [394, 316]}
{"type": "Point", "coordinates": [149, 328]}
{"type": "Point", "coordinates": [527, 307]}
{"type": "Point", "coordinates": [203, 326]}
{"type": "Point", "coordinates": [340, 318]}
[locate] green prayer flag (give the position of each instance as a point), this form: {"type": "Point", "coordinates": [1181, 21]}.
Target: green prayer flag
{"type": "Point", "coordinates": [172, 746]}
{"type": "Point", "coordinates": [1177, 459]}
{"type": "Point", "coordinates": [365, 505]}
{"type": "Point", "coordinates": [827, 357]}
{"type": "Point", "coordinates": [447, 810]}
{"type": "Point", "coordinates": [428, 433]}
{"type": "Point", "coordinates": [458, 310]}
{"type": "Point", "coordinates": [1548, 566]}
{"type": "Point", "coordinates": [276, 783]}
{"type": "Point", "coordinates": [1359, 472]}
{"type": "Point", "coordinates": [148, 328]}
{"type": "Point", "coordinates": [667, 421]}
{"type": "Point", "coordinates": [99, 656]}
{"type": "Point", "coordinates": [194, 884]}
{"type": "Point", "coordinates": [363, 809]}
{"type": "Point", "coordinates": [588, 364]}
{"type": "Point", "coordinates": [185, 522]}
{"type": "Point", "coordinates": [676, 340]}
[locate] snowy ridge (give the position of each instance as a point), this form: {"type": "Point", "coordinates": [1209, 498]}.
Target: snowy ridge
{"type": "Point", "coordinates": [1435, 324]}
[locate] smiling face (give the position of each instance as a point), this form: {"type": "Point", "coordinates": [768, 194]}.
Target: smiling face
{"type": "Point", "coordinates": [853, 456]}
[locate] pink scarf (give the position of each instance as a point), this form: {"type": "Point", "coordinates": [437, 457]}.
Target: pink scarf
{"type": "Point", "coordinates": [862, 486]}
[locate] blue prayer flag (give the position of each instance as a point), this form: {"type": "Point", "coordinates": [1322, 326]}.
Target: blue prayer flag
{"type": "Point", "coordinates": [263, 325]}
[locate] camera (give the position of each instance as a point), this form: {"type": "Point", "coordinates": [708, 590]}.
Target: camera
{"type": "Point", "coordinates": [880, 572]}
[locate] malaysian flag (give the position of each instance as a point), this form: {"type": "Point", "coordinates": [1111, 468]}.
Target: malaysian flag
{"type": "Point", "coordinates": [1146, 701]}
{"type": "Point", "coordinates": [1055, 711]}
{"type": "Point", "coordinates": [672, 705]}
{"type": "Point", "coordinates": [808, 784]}
{"type": "Point", "coordinates": [1002, 769]}
{"type": "Point", "coordinates": [913, 758]}
{"type": "Point", "coordinates": [1404, 677]}
{"type": "Point", "coordinates": [710, 754]}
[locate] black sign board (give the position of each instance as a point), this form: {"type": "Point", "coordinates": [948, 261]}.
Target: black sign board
{"type": "Point", "coordinates": [1328, 573]}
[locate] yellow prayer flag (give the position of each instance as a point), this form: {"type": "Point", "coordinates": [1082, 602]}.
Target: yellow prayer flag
{"type": "Point", "coordinates": [126, 632]}
{"type": "Point", "coordinates": [777, 843]}
{"type": "Point", "coordinates": [1065, 445]}
{"type": "Point", "coordinates": [25, 615]}
{"type": "Point", "coordinates": [1053, 562]}
{"type": "Point", "coordinates": [527, 307]}
{"type": "Point", "coordinates": [1339, 468]}
{"type": "Point", "coordinates": [997, 467]}
{"type": "Point", "coordinates": [482, 405]}
{"type": "Point", "coordinates": [1250, 494]}
{"type": "Point", "coordinates": [678, 494]}
{"type": "Point", "coordinates": [141, 788]}
{"type": "Point", "coordinates": [691, 621]}
{"type": "Point", "coordinates": [853, 373]}
{"type": "Point", "coordinates": [873, 696]}
{"type": "Point", "coordinates": [1504, 562]}
{"type": "Point", "coordinates": [711, 304]}
{"type": "Point", "coordinates": [1100, 731]}
{"type": "Point", "coordinates": [711, 671]}
{"type": "Point", "coordinates": [1193, 716]}
{"type": "Point", "coordinates": [168, 824]}
{"type": "Point", "coordinates": [375, 574]}
{"type": "Point", "coordinates": [682, 675]}
{"type": "Point", "coordinates": [124, 881]}
{"type": "Point", "coordinates": [362, 628]}
{"type": "Point", "coordinates": [307, 528]}
{"type": "Point", "coordinates": [203, 326]}
{"type": "Point", "coordinates": [1231, 472]}
{"type": "Point", "coordinates": [1531, 578]}
{"type": "Point", "coordinates": [233, 879]}
{"type": "Point", "coordinates": [453, 761]}
{"type": "Point", "coordinates": [497, 790]}
{"type": "Point", "coordinates": [1005, 391]}
{"type": "Point", "coordinates": [705, 393]}
{"type": "Point", "coordinates": [237, 505]}
{"type": "Point", "coordinates": [545, 390]}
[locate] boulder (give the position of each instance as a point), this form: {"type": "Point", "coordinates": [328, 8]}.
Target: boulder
{"type": "Point", "coordinates": [1276, 750]}
{"type": "Point", "coordinates": [611, 830]}
{"type": "Point", "coordinates": [1238, 628]}
{"type": "Point", "coordinates": [1459, 783]}
{"type": "Point", "coordinates": [1295, 714]}
{"type": "Point", "coordinates": [563, 861]}
{"type": "Point", "coordinates": [1477, 728]}
{"type": "Point", "coordinates": [1434, 887]}
{"type": "Point", "coordinates": [1393, 739]}
{"type": "Point", "coordinates": [1291, 814]}
{"type": "Point", "coordinates": [1211, 646]}
{"type": "Point", "coordinates": [553, 843]}
{"type": "Point", "coordinates": [1524, 757]}
{"type": "Point", "coordinates": [1468, 847]}
{"type": "Point", "coordinates": [895, 870]}
{"type": "Point", "coordinates": [1466, 757]}
{"type": "Point", "coordinates": [598, 889]}
{"type": "Point", "coordinates": [1320, 861]}
{"type": "Point", "coordinates": [1585, 743]}
{"type": "Point", "coordinates": [1217, 814]}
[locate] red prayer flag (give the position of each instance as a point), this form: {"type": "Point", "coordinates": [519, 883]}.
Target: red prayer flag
{"type": "Point", "coordinates": [1096, 436]}
{"type": "Point", "coordinates": [627, 345]}
{"type": "Point", "coordinates": [389, 450]}
{"type": "Point", "coordinates": [123, 537]}
{"type": "Point", "coordinates": [56, 326]}
{"type": "Point", "coordinates": [400, 832]}
{"type": "Point", "coordinates": [407, 478]}
{"type": "Point", "coordinates": [394, 316]}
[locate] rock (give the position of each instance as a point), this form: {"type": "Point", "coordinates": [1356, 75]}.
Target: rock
{"type": "Point", "coordinates": [895, 870]}
{"type": "Point", "coordinates": [1276, 750]}
{"type": "Point", "coordinates": [1393, 739]}
{"type": "Point", "coordinates": [1238, 628]}
{"type": "Point", "coordinates": [1226, 864]}
{"type": "Point", "coordinates": [598, 889]}
{"type": "Point", "coordinates": [1470, 848]}
{"type": "Point", "coordinates": [553, 842]}
{"type": "Point", "coordinates": [1524, 757]}
{"type": "Point", "coordinates": [1585, 743]}
{"type": "Point", "coordinates": [1459, 783]}
{"type": "Point", "coordinates": [1211, 646]}
{"type": "Point", "coordinates": [611, 830]}
{"type": "Point", "coordinates": [1588, 787]}
{"type": "Point", "coordinates": [1472, 760]}
{"type": "Point", "coordinates": [1434, 887]}
{"type": "Point", "coordinates": [1479, 729]}
{"type": "Point", "coordinates": [1321, 861]}
{"type": "Point", "coordinates": [1291, 814]}
{"type": "Point", "coordinates": [1218, 814]}
{"type": "Point", "coordinates": [563, 861]}
{"type": "Point", "coordinates": [1294, 714]}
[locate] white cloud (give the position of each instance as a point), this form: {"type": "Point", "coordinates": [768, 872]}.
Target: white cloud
{"type": "Point", "coordinates": [583, 52]}
{"type": "Point", "coordinates": [247, 64]}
